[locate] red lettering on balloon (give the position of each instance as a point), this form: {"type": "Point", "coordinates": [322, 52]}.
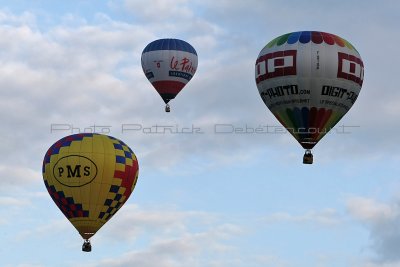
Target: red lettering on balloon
{"type": "Point", "coordinates": [185, 65]}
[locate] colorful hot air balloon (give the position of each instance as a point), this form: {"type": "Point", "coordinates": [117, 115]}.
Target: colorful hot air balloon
{"type": "Point", "coordinates": [309, 80]}
{"type": "Point", "coordinates": [89, 176]}
{"type": "Point", "coordinates": [169, 64]}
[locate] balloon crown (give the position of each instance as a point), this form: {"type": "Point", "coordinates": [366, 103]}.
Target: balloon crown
{"type": "Point", "coordinates": [305, 37]}
{"type": "Point", "coordinates": [169, 44]}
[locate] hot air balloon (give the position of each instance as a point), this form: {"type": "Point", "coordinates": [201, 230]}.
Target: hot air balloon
{"type": "Point", "coordinates": [169, 64]}
{"type": "Point", "coordinates": [89, 176]}
{"type": "Point", "coordinates": [309, 80]}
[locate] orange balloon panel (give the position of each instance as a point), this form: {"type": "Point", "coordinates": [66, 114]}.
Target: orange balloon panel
{"type": "Point", "coordinates": [89, 176]}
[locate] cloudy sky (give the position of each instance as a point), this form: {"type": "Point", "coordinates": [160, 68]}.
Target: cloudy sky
{"type": "Point", "coordinates": [202, 199]}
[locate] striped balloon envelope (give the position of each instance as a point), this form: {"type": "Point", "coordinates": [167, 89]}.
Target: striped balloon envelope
{"type": "Point", "coordinates": [169, 64]}
{"type": "Point", "coordinates": [89, 177]}
{"type": "Point", "coordinates": [309, 80]}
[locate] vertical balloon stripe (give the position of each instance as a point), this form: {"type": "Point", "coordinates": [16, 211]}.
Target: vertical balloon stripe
{"type": "Point", "coordinates": [283, 39]}
{"type": "Point", "coordinates": [175, 45]}
{"type": "Point", "coordinates": [308, 125]}
{"type": "Point", "coordinates": [319, 117]}
{"type": "Point", "coordinates": [279, 118]}
{"type": "Point", "coordinates": [297, 117]}
{"type": "Point", "coordinates": [349, 45]}
{"type": "Point", "coordinates": [294, 121]}
{"type": "Point", "coordinates": [312, 117]}
{"type": "Point", "coordinates": [283, 118]}
{"type": "Point", "coordinates": [305, 37]}
{"type": "Point", "coordinates": [305, 116]}
{"type": "Point", "coordinates": [286, 123]}
{"type": "Point", "coordinates": [318, 122]}
{"type": "Point", "coordinates": [328, 39]}
{"type": "Point", "coordinates": [339, 41]}
{"type": "Point", "coordinates": [272, 43]}
{"type": "Point", "coordinates": [333, 120]}
{"type": "Point", "coordinates": [301, 116]}
{"type": "Point", "coordinates": [316, 37]}
{"type": "Point", "coordinates": [294, 37]}
{"type": "Point", "coordinates": [326, 115]}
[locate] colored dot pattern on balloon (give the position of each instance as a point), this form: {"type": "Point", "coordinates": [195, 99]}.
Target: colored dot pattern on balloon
{"type": "Point", "coordinates": [305, 37]}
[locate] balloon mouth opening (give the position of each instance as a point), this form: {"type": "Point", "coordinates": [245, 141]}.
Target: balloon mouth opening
{"type": "Point", "coordinates": [308, 144]}
{"type": "Point", "coordinates": [87, 235]}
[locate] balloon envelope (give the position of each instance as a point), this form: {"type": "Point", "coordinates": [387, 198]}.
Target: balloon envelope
{"type": "Point", "coordinates": [169, 64]}
{"type": "Point", "coordinates": [309, 80]}
{"type": "Point", "coordinates": [89, 176]}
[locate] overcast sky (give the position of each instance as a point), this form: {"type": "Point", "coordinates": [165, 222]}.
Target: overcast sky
{"type": "Point", "coordinates": [212, 197]}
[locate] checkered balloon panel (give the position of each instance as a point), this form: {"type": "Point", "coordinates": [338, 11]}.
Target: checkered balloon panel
{"type": "Point", "coordinates": [89, 177]}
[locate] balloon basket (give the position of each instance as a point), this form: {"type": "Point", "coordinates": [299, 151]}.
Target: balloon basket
{"type": "Point", "coordinates": [308, 157]}
{"type": "Point", "coordinates": [167, 108]}
{"type": "Point", "coordinates": [86, 247]}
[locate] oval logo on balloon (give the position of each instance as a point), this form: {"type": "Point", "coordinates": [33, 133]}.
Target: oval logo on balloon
{"type": "Point", "coordinates": [74, 171]}
{"type": "Point", "coordinates": [89, 176]}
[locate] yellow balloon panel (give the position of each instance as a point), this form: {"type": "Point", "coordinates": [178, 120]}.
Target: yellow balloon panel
{"type": "Point", "coordinates": [89, 177]}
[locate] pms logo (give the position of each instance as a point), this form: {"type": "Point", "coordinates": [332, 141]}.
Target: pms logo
{"type": "Point", "coordinates": [350, 68]}
{"type": "Point", "coordinates": [276, 64]}
{"type": "Point", "coordinates": [74, 170]}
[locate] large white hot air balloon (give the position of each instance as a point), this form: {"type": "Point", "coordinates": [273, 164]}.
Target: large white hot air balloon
{"type": "Point", "coordinates": [309, 80]}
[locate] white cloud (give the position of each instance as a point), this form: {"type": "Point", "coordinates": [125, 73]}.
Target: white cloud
{"type": "Point", "coordinates": [327, 217]}
{"type": "Point", "coordinates": [44, 230]}
{"type": "Point", "coordinates": [133, 220]}
{"type": "Point", "coordinates": [11, 201]}
{"type": "Point", "coordinates": [81, 75]}
{"type": "Point", "coordinates": [90, 73]}
{"type": "Point", "coordinates": [371, 211]}
{"type": "Point", "coordinates": [14, 176]}
{"type": "Point", "coordinates": [160, 10]}
{"type": "Point", "coordinates": [27, 265]}
{"type": "Point", "coordinates": [177, 238]}
{"type": "Point", "coordinates": [383, 222]}
{"type": "Point", "coordinates": [204, 248]}
{"type": "Point", "coordinates": [378, 264]}
{"type": "Point", "coordinates": [10, 19]}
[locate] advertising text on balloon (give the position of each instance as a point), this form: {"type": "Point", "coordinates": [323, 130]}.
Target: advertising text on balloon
{"type": "Point", "coordinates": [184, 64]}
